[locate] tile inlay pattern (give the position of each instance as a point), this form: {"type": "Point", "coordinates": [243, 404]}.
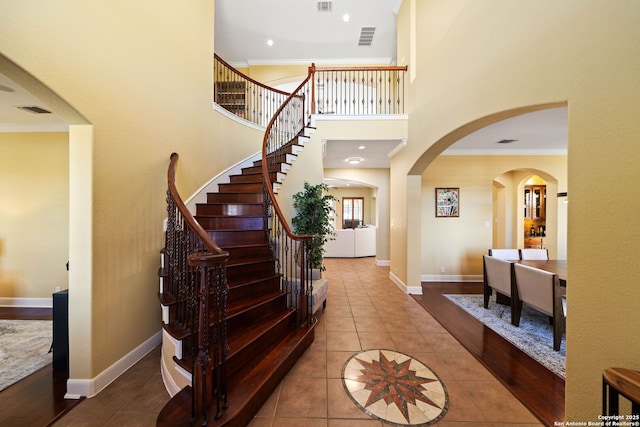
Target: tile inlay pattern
{"type": "Point", "coordinates": [395, 388]}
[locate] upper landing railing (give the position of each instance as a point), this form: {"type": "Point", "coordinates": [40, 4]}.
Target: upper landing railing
{"type": "Point", "coordinates": [346, 91]}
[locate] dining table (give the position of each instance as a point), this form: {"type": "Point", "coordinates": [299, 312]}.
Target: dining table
{"type": "Point", "coordinates": [555, 266]}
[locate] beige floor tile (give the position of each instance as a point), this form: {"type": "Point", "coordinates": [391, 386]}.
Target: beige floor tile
{"type": "Point", "coordinates": [343, 341]}
{"type": "Point", "coordinates": [302, 398]}
{"type": "Point", "coordinates": [370, 340]}
{"type": "Point", "coordinates": [340, 404]}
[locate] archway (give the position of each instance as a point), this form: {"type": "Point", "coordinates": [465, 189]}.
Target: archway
{"type": "Point", "coordinates": [473, 235]}
{"type": "Point", "coordinates": [80, 192]}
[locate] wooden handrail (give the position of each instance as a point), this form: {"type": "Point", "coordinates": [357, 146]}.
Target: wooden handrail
{"type": "Point", "coordinates": [364, 68]}
{"type": "Point", "coordinates": [265, 168]}
{"type": "Point", "coordinates": [193, 224]}
{"type": "Point", "coordinates": [245, 77]}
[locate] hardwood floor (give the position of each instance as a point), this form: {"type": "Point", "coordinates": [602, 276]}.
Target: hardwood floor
{"type": "Point", "coordinates": [540, 390]}
{"type": "Point", "coordinates": [38, 400]}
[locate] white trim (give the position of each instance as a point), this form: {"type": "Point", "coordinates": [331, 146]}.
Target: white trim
{"type": "Point", "coordinates": [355, 117]}
{"type": "Point", "coordinates": [501, 152]}
{"type": "Point", "coordinates": [317, 62]}
{"type": "Point", "coordinates": [27, 302]}
{"type": "Point", "coordinates": [35, 127]}
{"type": "Point", "coordinates": [237, 118]}
{"type": "Point", "coordinates": [413, 290]}
{"type": "Point", "coordinates": [383, 262]}
{"type": "Point", "coordinates": [450, 278]}
{"type": "Point", "coordinates": [77, 388]}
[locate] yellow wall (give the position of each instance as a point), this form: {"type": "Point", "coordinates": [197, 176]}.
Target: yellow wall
{"type": "Point", "coordinates": [34, 215]}
{"type": "Point", "coordinates": [479, 62]}
{"type": "Point", "coordinates": [141, 74]}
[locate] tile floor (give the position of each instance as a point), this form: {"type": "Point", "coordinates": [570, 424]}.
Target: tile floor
{"type": "Point", "coordinates": [365, 310]}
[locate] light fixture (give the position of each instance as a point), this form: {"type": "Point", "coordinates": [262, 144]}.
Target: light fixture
{"type": "Point", "coordinates": [361, 147]}
{"type": "Point", "coordinates": [345, 17]}
{"type": "Point", "coordinates": [354, 160]}
{"type": "Point", "coordinates": [269, 42]}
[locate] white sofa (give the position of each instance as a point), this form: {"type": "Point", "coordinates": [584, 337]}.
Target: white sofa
{"type": "Point", "coordinates": [352, 243]}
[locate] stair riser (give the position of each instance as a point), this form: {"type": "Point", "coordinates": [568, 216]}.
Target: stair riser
{"type": "Point", "coordinates": [245, 355]}
{"type": "Point", "coordinates": [248, 252]}
{"type": "Point", "coordinates": [230, 209]}
{"type": "Point", "coordinates": [235, 198]}
{"type": "Point", "coordinates": [242, 237]}
{"type": "Point", "coordinates": [247, 317]}
{"type": "Point", "coordinates": [241, 188]}
{"type": "Point", "coordinates": [238, 293]}
{"type": "Point", "coordinates": [246, 178]}
{"type": "Point", "coordinates": [231, 223]}
{"type": "Point", "coordinates": [249, 272]}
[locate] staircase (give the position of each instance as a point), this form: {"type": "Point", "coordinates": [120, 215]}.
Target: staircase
{"type": "Point", "coordinates": [263, 332]}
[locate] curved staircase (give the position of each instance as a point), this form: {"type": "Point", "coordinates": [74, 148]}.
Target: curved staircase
{"type": "Point", "coordinates": [263, 333]}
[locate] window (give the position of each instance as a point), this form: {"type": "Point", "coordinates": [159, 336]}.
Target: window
{"type": "Point", "coordinates": [352, 212]}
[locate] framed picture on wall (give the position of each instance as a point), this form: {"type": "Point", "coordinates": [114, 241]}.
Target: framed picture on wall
{"type": "Point", "coordinates": [447, 202]}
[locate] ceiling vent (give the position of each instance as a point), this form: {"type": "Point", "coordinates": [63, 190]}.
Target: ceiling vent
{"type": "Point", "coordinates": [35, 110]}
{"type": "Point", "coordinates": [506, 141]}
{"type": "Point", "coordinates": [324, 6]}
{"type": "Point", "coordinates": [366, 36]}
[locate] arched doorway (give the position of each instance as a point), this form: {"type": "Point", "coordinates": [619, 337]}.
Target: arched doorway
{"type": "Point", "coordinates": [473, 232]}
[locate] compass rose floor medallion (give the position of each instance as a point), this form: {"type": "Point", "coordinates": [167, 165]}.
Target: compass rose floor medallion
{"type": "Point", "coordinates": [395, 388]}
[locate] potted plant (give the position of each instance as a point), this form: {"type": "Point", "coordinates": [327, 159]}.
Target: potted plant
{"type": "Point", "coordinates": [313, 216]}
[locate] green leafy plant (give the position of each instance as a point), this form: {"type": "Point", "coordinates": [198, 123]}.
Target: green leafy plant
{"type": "Point", "coordinates": [313, 207]}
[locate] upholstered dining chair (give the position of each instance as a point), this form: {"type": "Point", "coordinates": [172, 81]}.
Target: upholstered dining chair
{"type": "Point", "coordinates": [531, 253]}
{"type": "Point", "coordinates": [508, 254]}
{"type": "Point", "coordinates": [498, 276]}
{"type": "Point", "coordinates": [540, 290]}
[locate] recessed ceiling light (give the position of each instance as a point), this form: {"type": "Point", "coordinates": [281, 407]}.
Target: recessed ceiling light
{"type": "Point", "coordinates": [346, 17]}
{"type": "Point", "coordinates": [269, 42]}
{"type": "Point", "coordinates": [361, 147]}
{"type": "Point", "coordinates": [354, 160]}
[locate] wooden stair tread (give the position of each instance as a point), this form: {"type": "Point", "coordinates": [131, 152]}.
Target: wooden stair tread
{"type": "Point", "coordinates": [247, 303]}
{"type": "Point", "coordinates": [248, 389]}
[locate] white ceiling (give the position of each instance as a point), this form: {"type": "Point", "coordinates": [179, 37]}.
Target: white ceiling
{"type": "Point", "coordinates": [302, 35]}
{"type": "Point", "coordinates": [13, 119]}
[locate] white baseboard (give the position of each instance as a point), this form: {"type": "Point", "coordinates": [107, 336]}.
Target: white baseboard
{"type": "Point", "coordinates": [76, 388]}
{"type": "Point", "coordinates": [27, 302]}
{"type": "Point", "coordinates": [409, 290]}
{"type": "Point", "coordinates": [383, 262]}
{"type": "Point", "coordinates": [450, 278]}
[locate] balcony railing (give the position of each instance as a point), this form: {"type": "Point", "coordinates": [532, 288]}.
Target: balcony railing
{"type": "Point", "coordinates": [346, 91]}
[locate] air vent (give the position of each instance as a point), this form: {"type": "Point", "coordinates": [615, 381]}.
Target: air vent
{"type": "Point", "coordinates": [366, 36]}
{"type": "Point", "coordinates": [506, 141]}
{"type": "Point", "coordinates": [324, 6]}
{"type": "Point", "coordinates": [35, 110]}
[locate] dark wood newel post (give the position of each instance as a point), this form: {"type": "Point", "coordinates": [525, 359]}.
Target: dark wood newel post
{"type": "Point", "coordinates": [312, 70]}
{"type": "Point", "coordinates": [202, 372]}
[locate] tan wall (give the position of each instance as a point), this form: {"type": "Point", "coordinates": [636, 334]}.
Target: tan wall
{"type": "Point", "coordinates": [479, 62]}
{"type": "Point", "coordinates": [34, 214]}
{"type": "Point", "coordinates": [141, 74]}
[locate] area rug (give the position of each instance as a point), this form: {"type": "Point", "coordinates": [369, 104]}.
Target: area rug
{"type": "Point", "coordinates": [395, 388]}
{"type": "Point", "coordinates": [24, 348]}
{"type": "Point", "coordinates": [534, 336]}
